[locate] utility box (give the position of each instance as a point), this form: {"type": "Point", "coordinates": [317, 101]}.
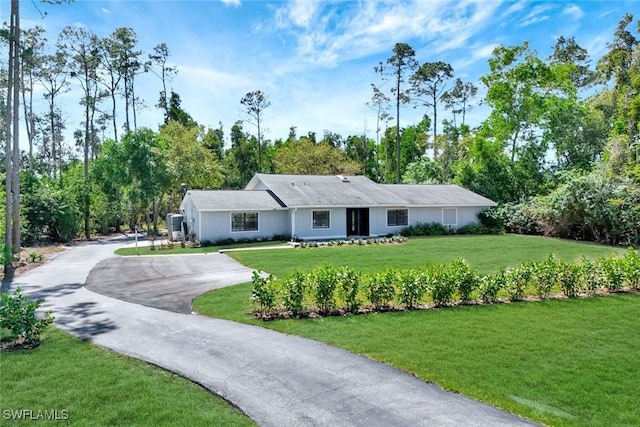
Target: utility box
{"type": "Point", "coordinates": [176, 227]}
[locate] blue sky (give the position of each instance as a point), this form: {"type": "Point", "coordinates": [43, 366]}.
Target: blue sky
{"type": "Point", "coordinates": [315, 59]}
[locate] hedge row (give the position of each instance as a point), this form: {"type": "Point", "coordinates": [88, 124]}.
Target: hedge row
{"type": "Point", "coordinates": [328, 290]}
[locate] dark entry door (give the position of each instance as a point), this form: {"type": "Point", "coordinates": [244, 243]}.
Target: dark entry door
{"type": "Point", "coordinates": [358, 222]}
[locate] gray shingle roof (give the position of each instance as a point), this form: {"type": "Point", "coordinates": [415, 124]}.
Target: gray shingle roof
{"type": "Point", "coordinates": [437, 195]}
{"type": "Point", "coordinates": [326, 190]}
{"type": "Point", "coordinates": [224, 200]}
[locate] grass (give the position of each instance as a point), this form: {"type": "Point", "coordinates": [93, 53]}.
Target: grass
{"type": "Point", "coordinates": [178, 250]}
{"type": "Point", "coordinates": [560, 362]}
{"type": "Point", "coordinates": [99, 387]}
{"type": "Point", "coordinates": [485, 253]}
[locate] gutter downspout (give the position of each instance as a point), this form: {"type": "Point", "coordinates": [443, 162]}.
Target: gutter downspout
{"type": "Point", "coordinates": [293, 224]}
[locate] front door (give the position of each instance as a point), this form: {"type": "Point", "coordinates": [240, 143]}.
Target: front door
{"type": "Point", "coordinates": [358, 222]}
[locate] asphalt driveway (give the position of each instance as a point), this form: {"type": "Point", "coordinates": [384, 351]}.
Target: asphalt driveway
{"type": "Point", "coordinates": [166, 282]}
{"type": "Point", "coordinates": [275, 378]}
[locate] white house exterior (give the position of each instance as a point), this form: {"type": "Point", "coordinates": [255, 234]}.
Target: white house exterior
{"type": "Point", "coordinates": [317, 207]}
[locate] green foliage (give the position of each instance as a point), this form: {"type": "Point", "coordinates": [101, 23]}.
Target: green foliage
{"type": "Point", "coordinates": [631, 267]}
{"type": "Point", "coordinates": [18, 315]}
{"type": "Point", "coordinates": [381, 287]}
{"type": "Point", "coordinates": [614, 273]}
{"type": "Point", "coordinates": [489, 286]}
{"type": "Point", "coordinates": [294, 291]}
{"type": "Point", "coordinates": [517, 281]}
{"type": "Point", "coordinates": [475, 228]}
{"type": "Point", "coordinates": [349, 283]}
{"type": "Point", "coordinates": [426, 229]}
{"type": "Point", "coordinates": [412, 286]}
{"type": "Point", "coordinates": [590, 275]}
{"type": "Point", "coordinates": [263, 292]}
{"type": "Point", "coordinates": [463, 277]}
{"type": "Point", "coordinates": [516, 217]}
{"type": "Point", "coordinates": [6, 254]}
{"type": "Point", "coordinates": [593, 207]}
{"type": "Point", "coordinates": [304, 157]}
{"type": "Point", "coordinates": [323, 285]}
{"type": "Point", "coordinates": [545, 275]}
{"type": "Point", "coordinates": [442, 287]}
{"type": "Point", "coordinates": [568, 277]}
{"type": "Point", "coordinates": [49, 210]}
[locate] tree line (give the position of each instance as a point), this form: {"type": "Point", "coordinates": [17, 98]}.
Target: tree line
{"type": "Point", "coordinates": [560, 131]}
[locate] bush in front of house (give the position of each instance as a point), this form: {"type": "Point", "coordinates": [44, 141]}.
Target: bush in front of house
{"type": "Point", "coordinates": [426, 229]}
{"type": "Point", "coordinates": [332, 290]}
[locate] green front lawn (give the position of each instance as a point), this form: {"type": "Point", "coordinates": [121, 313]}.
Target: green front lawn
{"type": "Point", "coordinates": [484, 253]}
{"type": "Point", "coordinates": [560, 362]}
{"type": "Point", "coordinates": [98, 387]}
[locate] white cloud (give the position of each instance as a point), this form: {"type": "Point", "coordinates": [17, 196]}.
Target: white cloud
{"type": "Point", "coordinates": [105, 10]}
{"type": "Point", "coordinates": [300, 13]}
{"type": "Point", "coordinates": [514, 8]}
{"type": "Point", "coordinates": [329, 37]}
{"type": "Point", "coordinates": [234, 3]}
{"type": "Point", "coordinates": [574, 11]}
{"type": "Point", "coordinates": [538, 14]}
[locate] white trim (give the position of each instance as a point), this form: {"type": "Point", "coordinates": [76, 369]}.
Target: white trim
{"type": "Point", "coordinates": [320, 228]}
{"type": "Point", "coordinates": [244, 231]}
{"type": "Point", "coordinates": [450, 209]}
{"type": "Point", "coordinates": [396, 209]}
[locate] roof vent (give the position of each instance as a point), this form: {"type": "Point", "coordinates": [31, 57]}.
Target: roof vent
{"type": "Point", "coordinates": [343, 178]}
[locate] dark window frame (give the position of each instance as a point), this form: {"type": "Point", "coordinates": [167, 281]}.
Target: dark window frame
{"type": "Point", "coordinates": [398, 217]}
{"type": "Point", "coordinates": [250, 221]}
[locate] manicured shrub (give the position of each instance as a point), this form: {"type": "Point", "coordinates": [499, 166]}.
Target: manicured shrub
{"type": "Point", "coordinates": [413, 284]}
{"type": "Point", "coordinates": [568, 276]}
{"type": "Point", "coordinates": [442, 287]}
{"type": "Point", "coordinates": [262, 292]}
{"type": "Point", "coordinates": [614, 274]}
{"type": "Point", "coordinates": [463, 278]}
{"type": "Point", "coordinates": [323, 284]}
{"type": "Point", "coordinates": [426, 229]}
{"type": "Point", "coordinates": [545, 275]}
{"type": "Point", "coordinates": [489, 286]}
{"type": "Point", "coordinates": [591, 275]}
{"type": "Point", "coordinates": [631, 268]}
{"type": "Point", "coordinates": [381, 288]}
{"type": "Point", "coordinates": [18, 315]}
{"type": "Point", "coordinates": [475, 228]}
{"type": "Point", "coordinates": [293, 292]}
{"type": "Point", "coordinates": [349, 286]}
{"type": "Point", "coordinates": [517, 281]}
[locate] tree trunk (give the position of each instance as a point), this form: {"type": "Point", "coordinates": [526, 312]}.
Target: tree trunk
{"type": "Point", "coordinates": [15, 181]}
{"type": "Point", "coordinates": [435, 127]}
{"type": "Point", "coordinates": [87, 136]}
{"type": "Point", "coordinates": [8, 267]}
{"type": "Point", "coordinates": [398, 177]}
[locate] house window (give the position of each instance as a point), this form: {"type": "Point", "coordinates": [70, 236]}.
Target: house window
{"type": "Point", "coordinates": [244, 221]}
{"type": "Point", "coordinates": [450, 216]}
{"type": "Point", "coordinates": [397, 217]}
{"type": "Point", "coordinates": [321, 219]}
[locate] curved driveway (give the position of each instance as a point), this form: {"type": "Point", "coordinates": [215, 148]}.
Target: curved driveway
{"type": "Point", "coordinates": [168, 282]}
{"type": "Point", "coordinates": [276, 379]}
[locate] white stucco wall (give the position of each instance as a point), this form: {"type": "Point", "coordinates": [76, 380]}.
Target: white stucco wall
{"type": "Point", "coordinates": [217, 226]}
{"type": "Point", "coordinates": [304, 230]}
{"type": "Point", "coordinates": [465, 215]}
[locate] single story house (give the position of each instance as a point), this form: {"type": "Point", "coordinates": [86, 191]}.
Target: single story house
{"type": "Point", "coordinates": [315, 207]}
